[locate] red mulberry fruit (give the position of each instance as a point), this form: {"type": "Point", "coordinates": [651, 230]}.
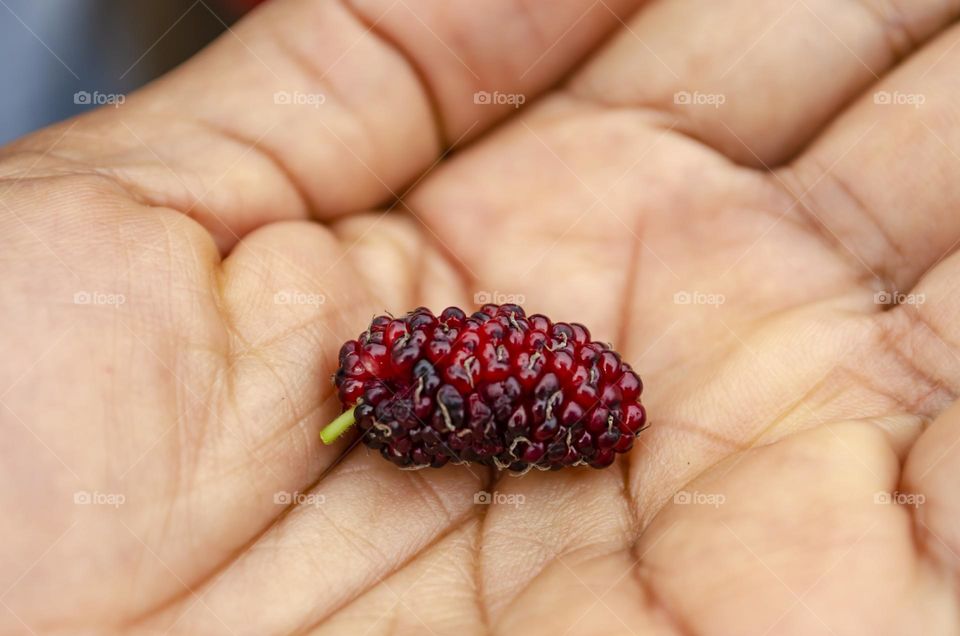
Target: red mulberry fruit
{"type": "Point", "coordinates": [498, 388]}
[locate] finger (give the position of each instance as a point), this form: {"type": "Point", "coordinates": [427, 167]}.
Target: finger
{"type": "Point", "coordinates": [291, 294]}
{"type": "Point", "coordinates": [400, 263]}
{"type": "Point", "coordinates": [586, 594]}
{"type": "Point", "coordinates": [724, 542]}
{"type": "Point", "coordinates": [328, 107]}
{"type": "Point", "coordinates": [515, 49]}
{"type": "Point", "coordinates": [881, 184]}
{"type": "Point", "coordinates": [106, 424]}
{"type": "Point", "coordinates": [541, 519]}
{"type": "Point", "coordinates": [290, 299]}
{"type": "Point", "coordinates": [365, 521]}
{"type": "Point", "coordinates": [916, 357]}
{"type": "Point", "coordinates": [931, 468]}
{"type": "Point", "coordinates": [756, 80]}
{"type": "Point", "coordinates": [581, 224]}
{"type": "Point", "coordinates": [434, 594]}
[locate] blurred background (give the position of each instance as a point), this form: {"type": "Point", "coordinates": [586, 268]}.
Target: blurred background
{"type": "Point", "coordinates": [57, 52]}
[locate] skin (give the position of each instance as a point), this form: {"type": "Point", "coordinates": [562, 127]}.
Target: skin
{"type": "Point", "coordinates": [799, 475]}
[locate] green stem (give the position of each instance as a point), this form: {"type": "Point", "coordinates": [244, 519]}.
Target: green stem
{"type": "Point", "coordinates": [337, 427]}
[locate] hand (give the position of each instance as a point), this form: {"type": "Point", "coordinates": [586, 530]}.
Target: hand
{"type": "Point", "coordinates": [730, 193]}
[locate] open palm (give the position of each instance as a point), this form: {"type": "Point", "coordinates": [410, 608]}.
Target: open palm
{"type": "Point", "coordinates": [730, 193]}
